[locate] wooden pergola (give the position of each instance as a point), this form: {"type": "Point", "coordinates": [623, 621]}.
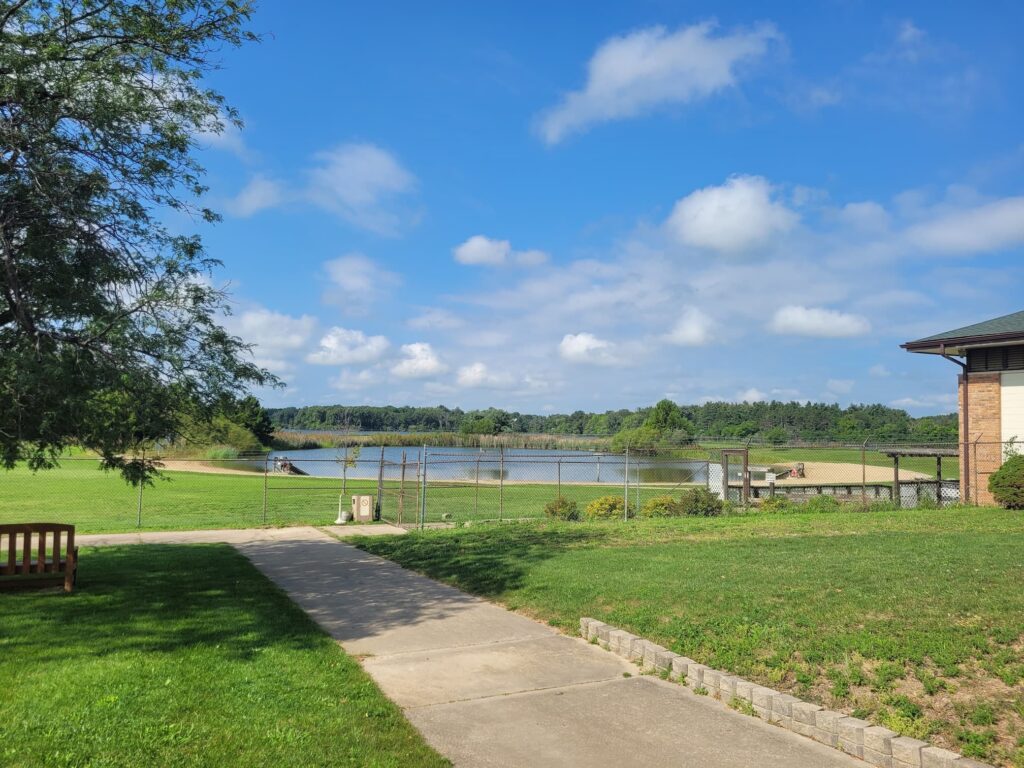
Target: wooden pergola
{"type": "Point", "coordinates": [918, 453]}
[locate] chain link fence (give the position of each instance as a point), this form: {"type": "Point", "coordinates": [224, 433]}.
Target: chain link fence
{"type": "Point", "coordinates": [418, 487]}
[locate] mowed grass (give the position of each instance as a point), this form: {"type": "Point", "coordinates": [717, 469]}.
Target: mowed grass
{"type": "Point", "coordinates": [184, 656]}
{"type": "Point", "coordinates": [913, 619]}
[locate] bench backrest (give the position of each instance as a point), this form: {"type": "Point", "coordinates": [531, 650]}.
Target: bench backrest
{"type": "Point", "coordinates": [32, 548]}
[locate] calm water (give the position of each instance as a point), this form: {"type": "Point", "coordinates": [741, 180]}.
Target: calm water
{"type": "Point", "coordinates": [519, 465]}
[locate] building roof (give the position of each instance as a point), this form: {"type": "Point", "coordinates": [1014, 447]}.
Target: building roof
{"type": "Point", "coordinates": [1008, 329]}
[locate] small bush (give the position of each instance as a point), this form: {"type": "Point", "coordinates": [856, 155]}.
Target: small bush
{"type": "Point", "coordinates": [607, 508]}
{"type": "Point", "coordinates": [562, 509]}
{"type": "Point", "coordinates": [700, 502]}
{"type": "Point", "coordinates": [660, 506]}
{"type": "Point", "coordinates": [1006, 484]}
{"type": "Point", "coordinates": [776, 504]}
{"type": "Point", "coordinates": [822, 504]}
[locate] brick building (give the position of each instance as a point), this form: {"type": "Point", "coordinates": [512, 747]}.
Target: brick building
{"type": "Point", "coordinates": [991, 393]}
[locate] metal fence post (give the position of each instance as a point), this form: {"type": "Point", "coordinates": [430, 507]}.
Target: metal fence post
{"type": "Point", "coordinates": [476, 493]}
{"type": "Point", "coordinates": [974, 467]}
{"type": "Point", "coordinates": [423, 496]}
{"type": "Point", "coordinates": [559, 478]}
{"type": "Point", "coordinates": [864, 474]}
{"type": "Point", "coordinates": [401, 491]}
{"type": "Point", "coordinates": [266, 471]}
{"type": "Point", "coordinates": [380, 484]}
{"type": "Point", "coordinates": [501, 483]}
{"type": "Point", "coordinates": [625, 485]}
{"type": "Point", "coordinates": [138, 523]}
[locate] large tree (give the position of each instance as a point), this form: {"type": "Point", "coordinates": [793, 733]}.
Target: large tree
{"type": "Point", "coordinates": [108, 318]}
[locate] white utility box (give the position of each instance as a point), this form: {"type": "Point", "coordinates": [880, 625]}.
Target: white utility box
{"type": "Point", "coordinates": [362, 508]}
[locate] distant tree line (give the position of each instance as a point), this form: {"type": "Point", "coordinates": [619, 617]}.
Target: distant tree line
{"type": "Point", "coordinates": [773, 421]}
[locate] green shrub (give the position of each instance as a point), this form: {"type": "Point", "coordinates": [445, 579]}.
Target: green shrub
{"type": "Point", "coordinates": [776, 504]}
{"type": "Point", "coordinates": [607, 508]}
{"type": "Point", "coordinates": [822, 504]}
{"type": "Point", "coordinates": [700, 502]}
{"type": "Point", "coordinates": [562, 509]}
{"type": "Point", "coordinates": [660, 506]}
{"type": "Point", "coordinates": [1006, 484]}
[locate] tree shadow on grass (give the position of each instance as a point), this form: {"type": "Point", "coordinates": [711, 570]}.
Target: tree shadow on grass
{"type": "Point", "coordinates": [486, 561]}
{"type": "Point", "coordinates": [156, 599]}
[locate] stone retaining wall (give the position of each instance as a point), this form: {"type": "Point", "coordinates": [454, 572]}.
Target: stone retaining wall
{"type": "Point", "coordinates": [875, 745]}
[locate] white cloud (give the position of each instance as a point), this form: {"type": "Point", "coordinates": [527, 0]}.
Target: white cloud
{"type": "Point", "coordinates": [980, 229]}
{"type": "Point", "coordinates": [344, 346]}
{"type": "Point", "coordinates": [879, 371]}
{"type": "Point", "coordinates": [272, 333]}
{"type": "Point", "coordinates": [481, 250]}
{"type": "Point", "coordinates": [259, 194]}
{"type": "Point", "coordinates": [925, 401]}
{"type": "Point", "coordinates": [752, 395]}
{"type": "Point", "coordinates": [360, 183]}
{"type": "Point", "coordinates": [358, 282]}
{"type": "Point", "coordinates": [479, 375]}
{"type": "Point", "coordinates": [419, 361]}
{"type": "Point", "coordinates": [587, 348]}
{"type": "Point", "coordinates": [692, 329]}
{"type": "Point", "coordinates": [352, 381]}
{"type": "Point", "coordinates": [839, 386]}
{"type": "Point", "coordinates": [435, 319]}
{"type": "Point", "coordinates": [224, 135]}
{"type": "Point", "coordinates": [814, 321]}
{"type": "Point", "coordinates": [638, 72]}
{"type": "Point", "coordinates": [867, 216]}
{"type": "Point", "coordinates": [737, 216]}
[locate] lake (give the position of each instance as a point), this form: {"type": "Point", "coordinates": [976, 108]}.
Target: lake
{"type": "Point", "coordinates": [526, 465]}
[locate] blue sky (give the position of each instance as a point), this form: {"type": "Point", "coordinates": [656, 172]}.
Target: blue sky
{"type": "Point", "coordinates": [590, 206]}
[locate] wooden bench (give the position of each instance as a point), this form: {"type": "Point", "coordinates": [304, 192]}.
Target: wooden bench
{"type": "Point", "coordinates": [37, 555]}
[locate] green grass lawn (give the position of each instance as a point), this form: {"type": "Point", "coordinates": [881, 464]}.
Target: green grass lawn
{"type": "Point", "coordinates": [184, 656]}
{"type": "Point", "coordinates": [913, 619]}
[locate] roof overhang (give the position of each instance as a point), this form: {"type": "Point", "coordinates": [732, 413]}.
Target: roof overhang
{"type": "Point", "coordinates": [957, 347]}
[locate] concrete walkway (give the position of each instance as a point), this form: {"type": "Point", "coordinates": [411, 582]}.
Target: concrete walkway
{"type": "Point", "coordinates": [488, 687]}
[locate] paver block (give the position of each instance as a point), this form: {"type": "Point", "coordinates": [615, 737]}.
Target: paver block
{"type": "Point", "coordinates": [604, 634]}
{"type": "Point", "coordinates": [761, 698]}
{"type": "Point", "coordinates": [871, 757]}
{"type": "Point", "coordinates": [804, 712]}
{"type": "Point", "coordinates": [711, 678]}
{"type": "Point", "coordinates": [907, 751]}
{"type": "Point", "coordinates": [802, 728]}
{"type": "Point", "coordinates": [744, 689]}
{"type": "Point", "coordinates": [936, 757]}
{"type": "Point", "coordinates": [651, 651]}
{"type": "Point", "coordinates": [679, 666]}
{"type": "Point", "coordinates": [782, 709]}
{"type": "Point", "coordinates": [851, 735]}
{"type": "Point", "coordinates": [727, 688]}
{"type": "Point", "coordinates": [663, 661]}
{"type": "Point", "coordinates": [585, 626]}
{"type": "Point", "coordinates": [594, 629]}
{"type": "Point", "coordinates": [879, 739]}
{"type": "Point", "coordinates": [618, 637]}
{"type": "Point", "coordinates": [636, 649]}
{"type": "Point", "coordinates": [827, 727]}
{"type": "Point", "coordinates": [695, 675]}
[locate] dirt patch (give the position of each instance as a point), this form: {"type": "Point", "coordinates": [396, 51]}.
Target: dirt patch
{"type": "Point", "coordinates": [844, 472]}
{"type": "Point", "coordinates": [179, 465]}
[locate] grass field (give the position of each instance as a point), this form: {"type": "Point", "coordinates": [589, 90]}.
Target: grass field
{"type": "Point", "coordinates": [79, 493]}
{"type": "Point", "coordinates": [184, 656]}
{"type": "Point", "coordinates": [913, 619]}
